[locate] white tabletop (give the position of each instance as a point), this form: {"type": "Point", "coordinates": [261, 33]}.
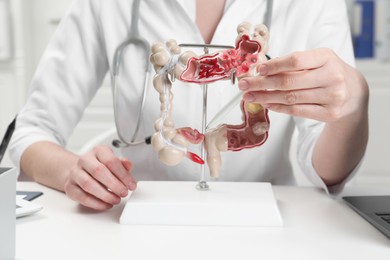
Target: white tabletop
{"type": "Point", "coordinates": [316, 226]}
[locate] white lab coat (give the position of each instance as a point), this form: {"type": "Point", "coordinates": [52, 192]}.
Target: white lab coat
{"type": "Point", "coordinates": [81, 52]}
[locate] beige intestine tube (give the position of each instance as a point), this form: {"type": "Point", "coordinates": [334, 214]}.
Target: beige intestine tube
{"type": "Point", "coordinates": [170, 143]}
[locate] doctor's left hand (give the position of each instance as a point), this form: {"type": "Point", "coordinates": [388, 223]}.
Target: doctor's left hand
{"type": "Point", "coordinates": [99, 179]}
{"type": "Point", "coordinates": [313, 84]}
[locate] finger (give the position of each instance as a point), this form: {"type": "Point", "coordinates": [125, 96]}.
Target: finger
{"type": "Point", "coordinates": [291, 97]}
{"type": "Point", "coordinates": [296, 61]}
{"type": "Point", "coordinates": [311, 111]}
{"type": "Point", "coordinates": [116, 167]}
{"type": "Point", "coordinates": [286, 81]}
{"type": "Point", "coordinates": [100, 172]}
{"type": "Point", "coordinates": [74, 192]}
{"type": "Point", "coordinates": [127, 164]}
{"type": "Point", "coordinates": [95, 188]}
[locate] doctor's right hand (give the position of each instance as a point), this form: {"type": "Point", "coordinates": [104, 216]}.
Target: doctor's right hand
{"type": "Point", "coordinates": [100, 179]}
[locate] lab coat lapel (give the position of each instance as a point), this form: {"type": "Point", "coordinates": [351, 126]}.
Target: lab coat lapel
{"type": "Point", "coordinates": [225, 32]}
{"type": "Point", "coordinates": [189, 10]}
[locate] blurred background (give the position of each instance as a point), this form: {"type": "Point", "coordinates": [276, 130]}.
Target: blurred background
{"type": "Point", "coordinates": [26, 26]}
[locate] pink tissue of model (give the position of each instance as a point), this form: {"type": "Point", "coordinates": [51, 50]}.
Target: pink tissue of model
{"type": "Point", "coordinates": [221, 65]}
{"type": "Point", "coordinates": [172, 144]}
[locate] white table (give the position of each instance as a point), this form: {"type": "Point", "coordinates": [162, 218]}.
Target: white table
{"type": "Point", "coordinates": [315, 227]}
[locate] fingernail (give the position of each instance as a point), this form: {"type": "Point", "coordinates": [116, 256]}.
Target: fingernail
{"type": "Point", "coordinates": [124, 193]}
{"type": "Point", "coordinates": [132, 186]}
{"type": "Point", "coordinates": [249, 97]}
{"type": "Point", "coordinates": [117, 201]}
{"type": "Point", "coordinates": [243, 84]}
{"type": "Point", "coordinates": [263, 70]}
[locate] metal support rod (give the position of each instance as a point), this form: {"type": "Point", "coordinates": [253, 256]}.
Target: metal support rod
{"type": "Point", "coordinates": [202, 184]}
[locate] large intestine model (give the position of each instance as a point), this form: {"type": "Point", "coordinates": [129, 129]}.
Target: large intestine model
{"type": "Point", "coordinates": [173, 144]}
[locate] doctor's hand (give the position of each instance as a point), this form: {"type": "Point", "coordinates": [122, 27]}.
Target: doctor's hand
{"type": "Point", "coordinates": [100, 179]}
{"type": "Point", "coordinates": [314, 84]}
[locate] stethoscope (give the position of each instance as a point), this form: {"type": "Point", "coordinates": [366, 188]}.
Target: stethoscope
{"type": "Point", "coordinates": [137, 40]}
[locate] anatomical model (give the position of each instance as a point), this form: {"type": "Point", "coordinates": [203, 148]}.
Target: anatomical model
{"type": "Point", "coordinates": [170, 64]}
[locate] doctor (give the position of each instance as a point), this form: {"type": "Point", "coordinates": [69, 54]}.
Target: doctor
{"type": "Point", "coordinates": [309, 84]}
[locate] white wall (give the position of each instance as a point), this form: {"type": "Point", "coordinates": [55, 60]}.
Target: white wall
{"type": "Point", "coordinates": [376, 166]}
{"type": "Point", "coordinates": [12, 73]}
